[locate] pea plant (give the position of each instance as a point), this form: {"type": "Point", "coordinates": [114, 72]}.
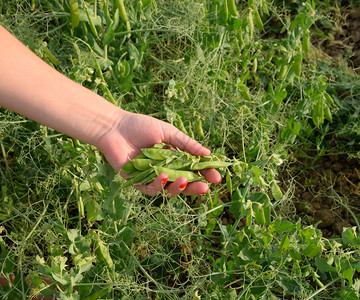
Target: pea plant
{"type": "Point", "coordinates": [247, 79]}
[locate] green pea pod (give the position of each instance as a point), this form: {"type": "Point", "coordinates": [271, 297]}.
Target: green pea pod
{"type": "Point", "coordinates": [283, 71]}
{"type": "Point", "coordinates": [191, 133]}
{"type": "Point", "coordinates": [148, 178]}
{"type": "Point", "coordinates": [75, 13]}
{"type": "Point", "coordinates": [138, 178]}
{"type": "Point", "coordinates": [327, 113]}
{"type": "Point", "coordinates": [91, 23]}
{"type": "Point", "coordinates": [175, 174]}
{"type": "Point", "coordinates": [178, 164]}
{"type": "Point", "coordinates": [50, 56]}
{"type": "Point", "coordinates": [205, 158]}
{"type": "Point", "coordinates": [180, 125]}
{"type": "Point", "coordinates": [328, 98]}
{"type": "Point", "coordinates": [209, 165]}
{"type": "Point", "coordinates": [297, 64]}
{"type": "Point", "coordinates": [128, 167]}
{"type": "Point", "coordinates": [305, 43]}
{"type": "Point", "coordinates": [142, 164]}
{"type": "Point", "coordinates": [255, 63]}
{"type": "Point", "coordinates": [251, 23]}
{"type": "Point", "coordinates": [258, 20]}
{"type": "Point", "coordinates": [123, 14]}
{"type": "Point", "coordinates": [98, 294]}
{"type": "Point", "coordinates": [159, 154]}
{"type": "Point", "coordinates": [199, 128]}
{"type": "Point", "coordinates": [232, 7]}
{"type": "Point", "coordinates": [134, 174]}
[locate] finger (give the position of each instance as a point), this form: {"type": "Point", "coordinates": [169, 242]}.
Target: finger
{"type": "Point", "coordinates": [177, 186]}
{"type": "Point", "coordinates": [196, 188]}
{"type": "Point", "coordinates": [211, 175]}
{"type": "Point", "coordinates": [154, 187]}
{"type": "Point", "coordinates": [177, 138]}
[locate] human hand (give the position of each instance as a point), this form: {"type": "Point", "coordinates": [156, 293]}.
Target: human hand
{"type": "Point", "coordinates": [135, 131]}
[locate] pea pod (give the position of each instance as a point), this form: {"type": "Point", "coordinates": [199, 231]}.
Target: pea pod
{"type": "Point", "coordinates": [138, 178]}
{"type": "Point", "coordinates": [327, 113]}
{"type": "Point", "coordinates": [297, 64]}
{"type": "Point", "coordinates": [148, 178]}
{"type": "Point", "coordinates": [178, 164]}
{"type": "Point", "coordinates": [258, 20]}
{"type": "Point", "coordinates": [98, 294]}
{"type": "Point", "coordinates": [128, 167]}
{"type": "Point", "coordinates": [180, 125]}
{"type": "Point", "coordinates": [142, 164]}
{"type": "Point", "coordinates": [133, 174]}
{"type": "Point", "coordinates": [206, 158]}
{"type": "Point", "coordinates": [232, 7]}
{"type": "Point", "coordinates": [123, 14]}
{"type": "Point", "coordinates": [255, 63]}
{"type": "Point", "coordinates": [75, 13]}
{"type": "Point", "coordinates": [328, 98]}
{"type": "Point", "coordinates": [199, 128]}
{"type": "Point", "coordinates": [251, 23]}
{"type": "Point", "coordinates": [159, 154]}
{"type": "Point", "coordinates": [209, 165]}
{"type": "Point", "coordinates": [305, 43]}
{"type": "Point", "coordinates": [91, 23]}
{"type": "Point", "coordinates": [175, 174]}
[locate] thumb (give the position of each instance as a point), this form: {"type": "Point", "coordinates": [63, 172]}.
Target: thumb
{"type": "Point", "coordinates": [177, 138]}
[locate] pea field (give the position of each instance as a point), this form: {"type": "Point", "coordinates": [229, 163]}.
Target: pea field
{"type": "Point", "coordinates": [271, 87]}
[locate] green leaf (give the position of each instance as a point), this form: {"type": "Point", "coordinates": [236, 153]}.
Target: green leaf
{"type": "Point", "coordinates": [228, 181]}
{"type": "Point", "coordinates": [109, 36]}
{"type": "Point", "coordinates": [237, 207]}
{"type": "Point", "coordinates": [103, 254]}
{"type": "Point", "coordinates": [280, 96]}
{"type": "Point", "coordinates": [295, 254]}
{"type": "Point", "coordinates": [285, 243]}
{"type": "Point", "coordinates": [313, 249]}
{"type": "Point", "coordinates": [248, 254]}
{"type": "Point", "coordinates": [72, 234]}
{"type": "Point", "coordinates": [323, 266]}
{"type": "Point", "coordinates": [61, 280]}
{"type": "Point", "coordinates": [276, 191]}
{"type": "Point", "coordinates": [349, 236]}
{"type": "Point", "coordinates": [257, 171]}
{"type": "Point", "coordinates": [210, 226]}
{"type": "Point", "coordinates": [348, 274]}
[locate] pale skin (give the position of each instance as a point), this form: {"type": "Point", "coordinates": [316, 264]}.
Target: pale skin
{"type": "Point", "coordinates": [31, 87]}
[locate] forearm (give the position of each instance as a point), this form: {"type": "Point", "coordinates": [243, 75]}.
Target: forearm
{"type": "Point", "coordinates": [32, 88]}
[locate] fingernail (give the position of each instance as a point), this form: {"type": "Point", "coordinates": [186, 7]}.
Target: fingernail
{"type": "Point", "coordinates": [164, 180]}
{"type": "Point", "coordinates": [207, 148]}
{"type": "Point", "coordinates": [183, 185]}
{"type": "Point", "coordinates": [205, 192]}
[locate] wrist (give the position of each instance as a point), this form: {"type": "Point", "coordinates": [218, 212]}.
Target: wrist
{"type": "Point", "coordinates": [104, 125]}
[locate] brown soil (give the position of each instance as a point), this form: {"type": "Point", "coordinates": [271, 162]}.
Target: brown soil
{"type": "Point", "coordinates": [323, 190]}
{"type": "Point", "coordinates": [343, 39]}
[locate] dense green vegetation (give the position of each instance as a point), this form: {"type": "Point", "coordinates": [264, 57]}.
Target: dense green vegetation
{"type": "Point", "coordinates": [251, 80]}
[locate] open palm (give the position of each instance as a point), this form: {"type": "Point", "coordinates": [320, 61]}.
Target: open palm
{"type": "Point", "coordinates": [135, 131]}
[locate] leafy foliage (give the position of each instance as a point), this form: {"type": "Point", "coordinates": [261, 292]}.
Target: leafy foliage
{"type": "Point", "coordinates": [246, 80]}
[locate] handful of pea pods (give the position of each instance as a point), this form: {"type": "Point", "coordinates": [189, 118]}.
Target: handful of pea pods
{"type": "Point", "coordinates": [156, 160]}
